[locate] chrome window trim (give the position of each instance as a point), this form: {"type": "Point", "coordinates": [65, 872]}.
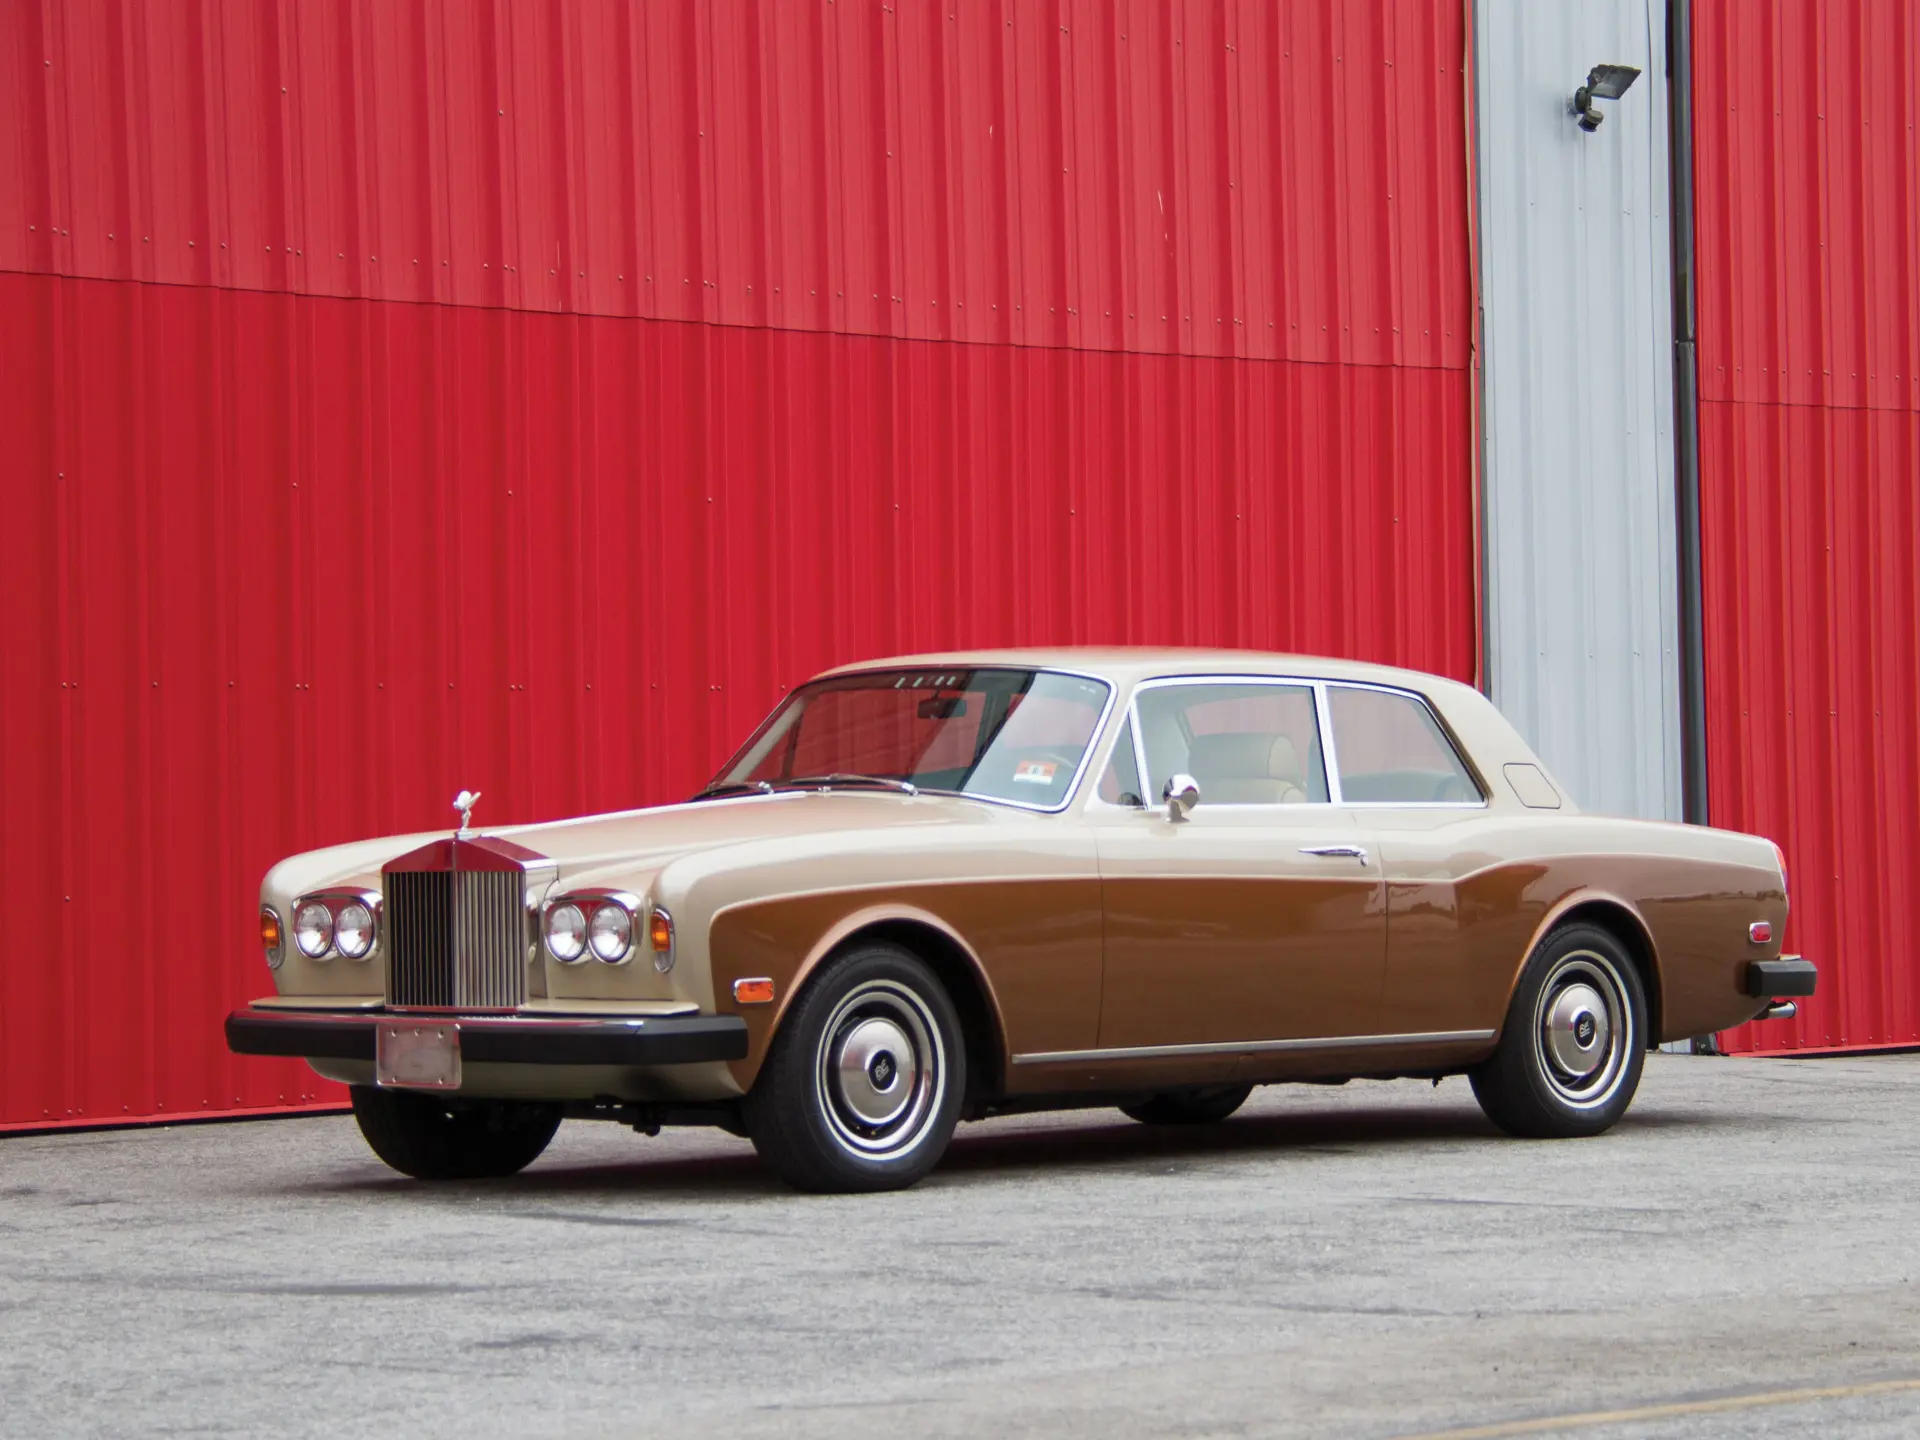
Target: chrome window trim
{"type": "Point", "coordinates": [1485, 800]}
{"type": "Point", "coordinates": [1329, 751]}
{"type": "Point", "coordinates": [1253, 1047]}
{"type": "Point", "coordinates": [1161, 682]}
{"type": "Point", "coordinates": [1086, 754]}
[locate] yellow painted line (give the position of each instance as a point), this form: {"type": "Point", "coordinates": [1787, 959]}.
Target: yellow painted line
{"type": "Point", "coordinates": [1549, 1423]}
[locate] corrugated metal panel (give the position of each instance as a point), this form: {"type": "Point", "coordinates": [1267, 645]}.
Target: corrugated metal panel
{"type": "Point", "coordinates": [303, 567]}
{"type": "Point", "coordinates": [1809, 253]}
{"type": "Point", "coordinates": [1809, 202]}
{"type": "Point", "coordinates": [1582, 589]}
{"type": "Point", "coordinates": [1208, 177]}
{"type": "Point", "coordinates": [1812, 542]}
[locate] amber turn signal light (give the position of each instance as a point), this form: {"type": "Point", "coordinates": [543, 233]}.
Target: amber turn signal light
{"type": "Point", "coordinates": [270, 936]}
{"type": "Point", "coordinates": [660, 930]}
{"type": "Point", "coordinates": [757, 991]}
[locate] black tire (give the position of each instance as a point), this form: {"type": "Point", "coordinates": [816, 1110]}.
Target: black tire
{"type": "Point", "coordinates": [431, 1137]}
{"type": "Point", "coordinates": [862, 1086]}
{"type": "Point", "coordinates": [1575, 1040]}
{"type": "Point", "coordinates": [1189, 1107]}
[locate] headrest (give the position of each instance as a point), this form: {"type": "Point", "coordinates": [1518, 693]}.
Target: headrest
{"type": "Point", "coordinates": [1243, 757]}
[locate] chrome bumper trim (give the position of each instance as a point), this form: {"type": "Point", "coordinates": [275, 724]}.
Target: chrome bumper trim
{"type": "Point", "coordinates": [1253, 1047]}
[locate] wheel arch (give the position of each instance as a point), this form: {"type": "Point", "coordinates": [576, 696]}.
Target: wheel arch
{"type": "Point", "coordinates": [953, 963]}
{"type": "Point", "coordinates": [1624, 923]}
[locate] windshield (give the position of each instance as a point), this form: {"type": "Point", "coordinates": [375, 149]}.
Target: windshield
{"type": "Point", "coordinates": [1013, 735]}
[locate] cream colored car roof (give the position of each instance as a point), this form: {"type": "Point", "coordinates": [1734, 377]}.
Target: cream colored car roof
{"type": "Point", "coordinates": [1125, 664]}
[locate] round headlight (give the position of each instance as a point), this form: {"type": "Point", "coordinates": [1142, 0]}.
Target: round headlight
{"type": "Point", "coordinates": [313, 929]}
{"type": "Point", "coordinates": [611, 932]}
{"type": "Point", "coordinates": [353, 930]}
{"type": "Point", "coordinates": [566, 933]}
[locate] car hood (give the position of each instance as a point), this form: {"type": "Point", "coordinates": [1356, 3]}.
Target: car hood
{"type": "Point", "coordinates": [638, 840]}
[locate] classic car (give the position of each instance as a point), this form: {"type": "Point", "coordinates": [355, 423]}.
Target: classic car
{"type": "Point", "coordinates": [944, 887]}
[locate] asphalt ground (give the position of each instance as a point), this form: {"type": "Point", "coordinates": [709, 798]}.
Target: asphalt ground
{"type": "Point", "coordinates": [1370, 1261]}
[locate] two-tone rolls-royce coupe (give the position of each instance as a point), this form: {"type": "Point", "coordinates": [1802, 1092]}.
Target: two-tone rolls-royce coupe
{"type": "Point", "coordinates": [948, 886]}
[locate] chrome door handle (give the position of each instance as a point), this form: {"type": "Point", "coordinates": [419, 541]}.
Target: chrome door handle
{"type": "Point", "coordinates": [1352, 852]}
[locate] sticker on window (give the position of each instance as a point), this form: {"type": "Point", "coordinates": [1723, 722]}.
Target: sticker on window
{"type": "Point", "coordinates": [1035, 772]}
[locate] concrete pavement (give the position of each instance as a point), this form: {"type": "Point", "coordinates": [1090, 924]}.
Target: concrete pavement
{"type": "Point", "coordinates": [1370, 1261]}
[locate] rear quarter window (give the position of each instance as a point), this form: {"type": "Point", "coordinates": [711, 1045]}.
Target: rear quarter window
{"type": "Point", "coordinates": [1391, 751]}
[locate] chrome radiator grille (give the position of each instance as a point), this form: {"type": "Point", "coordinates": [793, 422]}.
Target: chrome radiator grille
{"type": "Point", "coordinates": [456, 940]}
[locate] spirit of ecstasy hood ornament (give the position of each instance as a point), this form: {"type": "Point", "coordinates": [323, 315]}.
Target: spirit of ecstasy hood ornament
{"type": "Point", "coordinates": [464, 803]}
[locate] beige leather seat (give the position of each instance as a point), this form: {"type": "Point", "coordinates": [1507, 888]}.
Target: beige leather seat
{"type": "Point", "coordinates": [1242, 769]}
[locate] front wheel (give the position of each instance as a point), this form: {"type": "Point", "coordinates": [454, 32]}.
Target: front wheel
{"type": "Point", "coordinates": [431, 1137]}
{"type": "Point", "coordinates": [1575, 1040]}
{"type": "Point", "coordinates": [862, 1086]}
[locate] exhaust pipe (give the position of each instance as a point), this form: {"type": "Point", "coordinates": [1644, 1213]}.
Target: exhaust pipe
{"type": "Point", "coordinates": [1779, 1010]}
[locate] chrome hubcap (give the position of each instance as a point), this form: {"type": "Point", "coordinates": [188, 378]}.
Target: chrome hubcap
{"type": "Point", "coordinates": [881, 1070]}
{"type": "Point", "coordinates": [876, 1070]}
{"type": "Point", "coordinates": [1583, 1030]}
{"type": "Point", "coordinates": [1578, 1030]}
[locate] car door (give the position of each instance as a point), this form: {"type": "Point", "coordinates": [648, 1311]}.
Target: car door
{"type": "Point", "coordinates": [1257, 917]}
{"type": "Point", "coordinates": [1422, 813]}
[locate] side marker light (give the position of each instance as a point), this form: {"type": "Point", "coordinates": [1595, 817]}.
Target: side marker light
{"type": "Point", "coordinates": [1760, 932]}
{"type": "Point", "coordinates": [756, 991]}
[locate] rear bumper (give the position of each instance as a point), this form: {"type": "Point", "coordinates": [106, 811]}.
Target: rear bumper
{"type": "Point", "coordinates": [503, 1039]}
{"type": "Point", "coordinates": [1790, 976]}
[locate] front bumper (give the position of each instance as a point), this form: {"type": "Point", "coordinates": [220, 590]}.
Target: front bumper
{"type": "Point", "coordinates": [502, 1039]}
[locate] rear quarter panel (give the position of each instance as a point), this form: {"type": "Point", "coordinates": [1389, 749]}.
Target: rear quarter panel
{"type": "Point", "coordinates": [1471, 893]}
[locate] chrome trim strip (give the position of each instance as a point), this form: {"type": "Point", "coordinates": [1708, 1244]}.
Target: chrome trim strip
{"type": "Point", "coordinates": [1254, 1047]}
{"type": "Point", "coordinates": [1329, 752]}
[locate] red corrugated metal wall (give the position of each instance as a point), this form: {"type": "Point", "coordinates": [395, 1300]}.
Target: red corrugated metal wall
{"type": "Point", "coordinates": [1808, 203]}
{"type": "Point", "coordinates": [401, 397]}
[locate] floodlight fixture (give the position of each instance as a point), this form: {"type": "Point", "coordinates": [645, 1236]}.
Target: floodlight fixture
{"type": "Point", "coordinates": [1604, 82]}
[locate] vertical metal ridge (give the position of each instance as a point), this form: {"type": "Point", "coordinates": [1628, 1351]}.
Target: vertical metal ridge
{"type": "Point", "coordinates": [786, 440]}
{"type": "Point", "coordinates": [1030, 173]}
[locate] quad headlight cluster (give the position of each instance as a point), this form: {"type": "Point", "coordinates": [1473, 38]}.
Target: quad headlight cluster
{"type": "Point", "coordinates": [607, 925]}
{"type": "Point", "coordinates": [330, 923]}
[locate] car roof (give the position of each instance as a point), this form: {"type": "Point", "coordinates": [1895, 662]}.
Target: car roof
{"type": "Point", "coordinates": [1126, 664]}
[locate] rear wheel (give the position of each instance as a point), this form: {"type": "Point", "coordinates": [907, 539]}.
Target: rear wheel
{"type": "Point", "coordinates": [1575, 1040]}
{"type": "Point", "coordinates": [433, 1137]}
{"type": "Point", "coordinates": [862, 1086]}
{"type": "Point", "coordinates": [1189, 1107]}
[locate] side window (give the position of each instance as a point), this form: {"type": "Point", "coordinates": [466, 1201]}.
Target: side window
{"type": "Point", "coordinates": [1392, 751]}
{"type": "Point", "coordinates": [1120, 781]}
{"type": "Point", "coordinates": [1255, 744]}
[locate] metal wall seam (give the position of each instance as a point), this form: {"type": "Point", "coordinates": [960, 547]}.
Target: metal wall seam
{"type": "Point", "coordinates": [1582, 592]}
{"type": "Point", "coordinates": [1809, 356]}
{"type": "Point", "coordinates": [1194, 178]}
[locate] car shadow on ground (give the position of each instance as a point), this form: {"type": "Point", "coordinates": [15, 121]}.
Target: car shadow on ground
{"type": "Point", "coordinates": [989, 1152]}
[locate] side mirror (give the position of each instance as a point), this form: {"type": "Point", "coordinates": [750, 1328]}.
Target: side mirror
{"type": "Point", "coordinates": [1181, 794]}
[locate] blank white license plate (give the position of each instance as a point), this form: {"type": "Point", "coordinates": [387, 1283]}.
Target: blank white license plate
{"type": "Point", "coordinates": [417, 1057]}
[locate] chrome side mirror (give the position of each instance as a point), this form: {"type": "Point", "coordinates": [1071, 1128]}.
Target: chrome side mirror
{"type": "Point", "coordinates": [1181, 794]}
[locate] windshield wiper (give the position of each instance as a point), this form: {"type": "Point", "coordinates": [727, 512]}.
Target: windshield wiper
{"type": "Point", "coordinates": [824, 782]}
{"type": "Point", "coordinates": [727, 787]}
